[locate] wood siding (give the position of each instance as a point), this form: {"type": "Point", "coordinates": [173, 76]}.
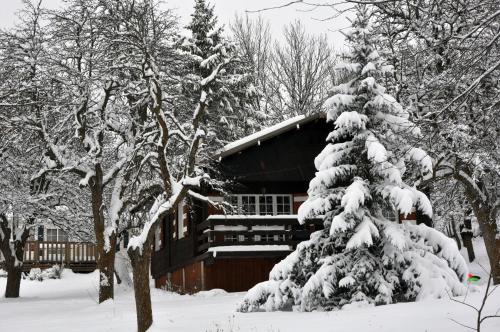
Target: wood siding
{"type": "Point", "coordinates": [238, 274]}
{"type": "Point", "coordinates": [230, 274]}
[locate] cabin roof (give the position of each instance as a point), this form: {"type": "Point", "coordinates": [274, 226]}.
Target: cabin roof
{"type": "Point", "coordinates": [265, 134]}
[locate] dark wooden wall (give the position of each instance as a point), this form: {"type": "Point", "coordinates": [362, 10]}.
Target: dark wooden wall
{"type": "Point", "coordinates": [231, 274]}
{"type": "Point", "coordinates": [281, 164]}
{"type": "Point", "coordinates": [238, 274]}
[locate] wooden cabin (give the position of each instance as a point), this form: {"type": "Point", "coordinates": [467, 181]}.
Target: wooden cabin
{"type": "Point", "coordinates": [201, 248]}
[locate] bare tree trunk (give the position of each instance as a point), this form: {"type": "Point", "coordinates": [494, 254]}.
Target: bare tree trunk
{"type": "Point", "coordinates": [466, 234]}
{"type": "Point", "coordinates": [13, 281]}
{"type": "Point", "coordinates": [13, 260]}
{"type": "Point", "coordinates": [491, 241]}
{"type": "Point", "coordinates": [140, 269]}
{"type": "Point", "coordinates": [489, 230]}
{"type": "Point", "coordinates": [105, 249]}
{"type": "Point", "coordinates": [105, 263]}
{"type": "Point", "coordinates": [452, 232]}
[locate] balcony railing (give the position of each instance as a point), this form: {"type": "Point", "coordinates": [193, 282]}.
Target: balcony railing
{"type": "Point", "coordinates": [218, 233]}
{"type": "Point", "coordinates": [42, 253]}
{"type": "Point", "coordinates": [251, 230]}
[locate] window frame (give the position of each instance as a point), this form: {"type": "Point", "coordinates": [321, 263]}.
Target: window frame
{"type": "Point", "coordinates": [50, 236]}
{"type": "Point", "coordinates": [182, 217]}
{"type": "Point", "coordinates": [257, 197]}
{"type": "Point", "coordinates": [60, 235]}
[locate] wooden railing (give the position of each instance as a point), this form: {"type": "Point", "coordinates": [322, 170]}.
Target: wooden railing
{"type": "Point", "coordinates": [59, 252]}
{"type": "Point", "coordinates": [217, 230]}
{"type": "Point", "coordinates": [253, 230]}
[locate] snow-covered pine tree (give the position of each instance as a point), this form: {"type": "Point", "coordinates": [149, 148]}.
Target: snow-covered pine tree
{"type": "Point", "coordinates": [232, 93]}
{"type": "Point", "coordinates": [360, 256]}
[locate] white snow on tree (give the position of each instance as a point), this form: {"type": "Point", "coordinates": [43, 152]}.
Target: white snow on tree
{"type": "Point", "coordinates": [231, 92]}
{"type": "Point", "coordinates": [360, 256]}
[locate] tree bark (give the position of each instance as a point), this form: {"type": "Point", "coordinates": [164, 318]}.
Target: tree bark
{"type": "Point", "coordinates": [13, 281]}
{"type": "Point", "coordinates": [488, 228]}
{"type": "Point", "coordinates": [106, 243]}
{"type": "Point", "coordinates": [467, 234]}
{"type": "Point", "coordinates": [13, 260]}
{"type": "Point", "coordinates": [452, 226]}
{"type": "Point", "coordinates": [491, 241]}
{"type": "Point", "coordinates": [105, 263]}
{"type": "Point", "coordinates": [140, 269]}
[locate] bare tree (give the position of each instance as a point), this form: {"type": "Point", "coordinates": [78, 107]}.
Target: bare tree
{"type": "Point", "coordinates": [254, 45]}
{"type": "Point", "coordinates": [21, 91]}
{"type": "Point", "coordinates": [90, 130]}
{"type": "Point", "coordinates": [300, 72]}
{"type": "Point", "coordinates": [166, 167]}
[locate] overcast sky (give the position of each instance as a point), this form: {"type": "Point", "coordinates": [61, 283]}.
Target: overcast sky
{"type": "Point", "coordinates": [226, 9]}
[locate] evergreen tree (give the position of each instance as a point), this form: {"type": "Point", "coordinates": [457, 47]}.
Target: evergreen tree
{"type": "Point", "coordinates": [232, 93]}
{"type": "Point", "coordinates": [361, 256]}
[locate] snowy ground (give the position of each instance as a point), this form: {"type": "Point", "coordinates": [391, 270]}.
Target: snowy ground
{"type": "Point", "coordinates": [70, 304]}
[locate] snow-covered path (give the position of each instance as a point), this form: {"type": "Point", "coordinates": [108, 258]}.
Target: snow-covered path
{"type": "Point", "coordinates": [70, 304]}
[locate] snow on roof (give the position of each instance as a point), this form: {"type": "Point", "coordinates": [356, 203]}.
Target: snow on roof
{"type": "Point", "coordinates": [258, 247]}
{"type": "Point", "coordinates": [260, 136]}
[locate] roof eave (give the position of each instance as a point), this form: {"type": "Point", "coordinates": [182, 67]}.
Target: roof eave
{"type": "Point", "coordinates": [246, 142]}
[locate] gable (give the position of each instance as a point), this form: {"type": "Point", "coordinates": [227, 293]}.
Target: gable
{"type": "Point", "coordinates": [285, 157]}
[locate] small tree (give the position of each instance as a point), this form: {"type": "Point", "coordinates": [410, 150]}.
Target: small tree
{"type": "Point", "coordinates": [481, 317]}
{"type": "Point", "coordinates": [360, 256]}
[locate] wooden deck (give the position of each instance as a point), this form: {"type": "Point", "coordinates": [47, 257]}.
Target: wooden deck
{"type": "Point", "coordinates": [77, 256]}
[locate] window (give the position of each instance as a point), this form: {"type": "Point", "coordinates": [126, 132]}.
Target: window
{"type": "Point", "coordinates": [230, 238]}
{"type": "Point", "coordinates": [234, 238]}
{"type": "Point", "coordinates": [52, 235]}
{"type": "Point", "coordinates": [268, 238]}
{"type": "Point", "coordinates": [56, 235]}
{"type": "Point", "coordinates": [62, 236]}
{"type": "Point", "coordinates": [248, 205]}
{"type": "Point", "coordinates": [264, 205]}
{"type": "Point", "coordinates": [182, 220]}
{"type": "Point", "coordinates": [283, 204]}
{"type": "Point", "coordinates": [233, 200]}
{"type": "Point", "coordinates": [158, 237]}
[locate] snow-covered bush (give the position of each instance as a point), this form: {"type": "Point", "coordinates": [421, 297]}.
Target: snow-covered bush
{"type": "Point", "coordinates": [54, 272]}
{"type": "Point", "coordinates": [35, 274]}
{"type": "Point", "coordinates": [3, 273]}
{"type": "Point", "coordinates": [360, 256]}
